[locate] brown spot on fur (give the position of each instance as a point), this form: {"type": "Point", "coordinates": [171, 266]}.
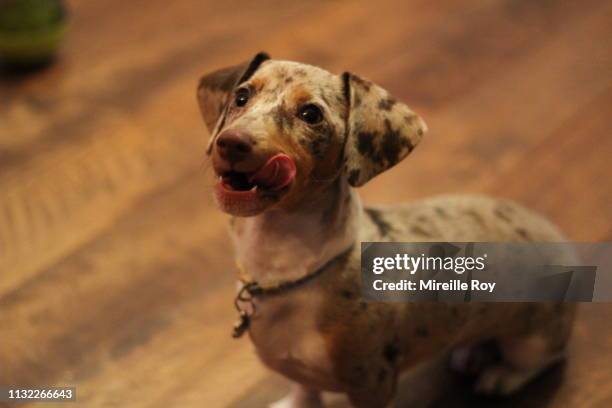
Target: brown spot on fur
{"type": "Point", "coordinates": [391, 146]}
{"type": "Point", "coordinates": [288, 80]}
{"type": "Point", "coordinates": [324, 98]}
{"type": "Point", "coordinates": [390, 352]}
{"type": "Point", "coordinates": [503, 212]}
{"type": "Point", "coordinates": [257, 84]}
{"type": "Point", "coordinates": [501, 215]}
{"type": "Point", "coordinates": [393, 143]}
{"type": "Point", "coordinates": [417, 229]}
{"type": "Point", "coordinates": [347, 294]}
{"type": "Point", "coordinates": [365, 143]}
{"type": "Point", "coordinates": [317, 145]}
{"type": "Point", "coordinates": [362, 82]}
{"type": "Point", "coordinates": [377, 218]}
{"type": "Point", "coordinates": [523, 233]}
{"type": "Point", "coordinates": [322, 136]}
{"type": "Point", "coordinates": [476, 217]}
{"type": "Point", "coordinates": [353, 176]}
{"type": "Point", "coordinates": [386, 104]}
{"type": "Point", "coordinates": [283, 118]}
{"type": "Point", "coordinates": [411, 119]}
{"type": "Point", "coordinates": [441, 212]}
{"type": "Point", "coordinates": [300, 95]}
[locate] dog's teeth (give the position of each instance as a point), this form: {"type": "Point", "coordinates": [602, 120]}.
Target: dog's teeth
{"type": "Point", "coordinates": [254, 188]}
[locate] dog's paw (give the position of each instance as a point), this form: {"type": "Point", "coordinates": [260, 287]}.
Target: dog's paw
{"type": "Point", "coordinates": [287, 402]}
{"type": "Point", "coordinates": [502, 380]}
{"type": "Point", "coordinates": [474, 359]}
{"type": "Point", "coordinates": [297, 401]}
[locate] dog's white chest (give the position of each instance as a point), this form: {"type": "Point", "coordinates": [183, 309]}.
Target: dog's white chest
{"type": "Point", "coordinates": [285, 334]}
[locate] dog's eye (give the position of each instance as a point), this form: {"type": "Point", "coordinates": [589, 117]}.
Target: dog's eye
{"type": "Point", "coordinates": [310, 114]}
{"type": "Point", "coordinates": [242, 96]}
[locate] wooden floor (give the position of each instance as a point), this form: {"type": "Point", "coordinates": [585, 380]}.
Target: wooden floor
{"type": "Point", "coordinates": [116, 274]}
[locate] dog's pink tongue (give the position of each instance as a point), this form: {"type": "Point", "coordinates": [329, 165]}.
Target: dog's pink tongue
{"type": "Point", "coordinates": [277, 173]}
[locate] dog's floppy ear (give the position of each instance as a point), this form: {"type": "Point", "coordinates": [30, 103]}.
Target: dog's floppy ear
{"type": "Point", "coordinates": [380, 130]}
{"type": "Point", "coordinates": [216, 87]}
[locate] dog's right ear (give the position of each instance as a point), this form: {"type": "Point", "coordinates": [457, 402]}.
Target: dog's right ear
{"type": "Point", "coordinates": [216, 87]}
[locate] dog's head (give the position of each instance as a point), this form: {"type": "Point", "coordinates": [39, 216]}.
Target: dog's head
{"type": "Point", "coordinates": [282, 131]}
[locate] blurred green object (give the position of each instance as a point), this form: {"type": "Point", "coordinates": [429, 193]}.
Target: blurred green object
{"type": "Point", "coordinates": [30, 31]}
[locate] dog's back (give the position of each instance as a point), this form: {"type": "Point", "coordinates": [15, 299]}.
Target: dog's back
{"type": "Point", "coordinates": [459, 218]}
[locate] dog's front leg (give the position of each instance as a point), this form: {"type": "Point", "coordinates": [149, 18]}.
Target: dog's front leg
{"type": "Point", "coordinates": [300, 397]}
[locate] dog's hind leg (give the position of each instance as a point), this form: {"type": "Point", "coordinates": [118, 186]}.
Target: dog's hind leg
{"type": "Point", "coordinates": [300, 397]}
{"type": "Point", "coordinates": [505, 379]}
{"type": "Point", "coordinates": [527, 356]}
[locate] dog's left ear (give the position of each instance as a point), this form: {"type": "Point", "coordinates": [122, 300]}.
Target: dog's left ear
{"type": "Point", "coordinates": [380, 130]}
{"type": "Point", "coordinates": [216, 87]}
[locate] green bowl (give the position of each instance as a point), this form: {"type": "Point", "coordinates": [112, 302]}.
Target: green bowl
{"type": "Point", "coordinates": [31, 31]}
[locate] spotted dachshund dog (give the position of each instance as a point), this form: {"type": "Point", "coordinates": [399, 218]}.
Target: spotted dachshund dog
{"type": "Point", "coordinates": [289, 143]}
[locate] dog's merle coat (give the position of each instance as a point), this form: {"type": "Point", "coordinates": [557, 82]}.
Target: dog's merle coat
{"type": "Point", "coordinates": [322, 335]}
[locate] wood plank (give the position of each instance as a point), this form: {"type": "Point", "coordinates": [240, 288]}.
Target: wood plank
{"type": "Point", "coordinates": [577, 152]}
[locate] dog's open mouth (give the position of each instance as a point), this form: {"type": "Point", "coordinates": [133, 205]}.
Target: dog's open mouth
{"type": "Point", "coordinates": [276, 174]}
{"type": "Point", "coordinates": [236, 181]}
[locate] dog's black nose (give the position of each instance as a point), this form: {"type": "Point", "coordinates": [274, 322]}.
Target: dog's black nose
{"type": "Point", "coordinates": [234, 145]}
